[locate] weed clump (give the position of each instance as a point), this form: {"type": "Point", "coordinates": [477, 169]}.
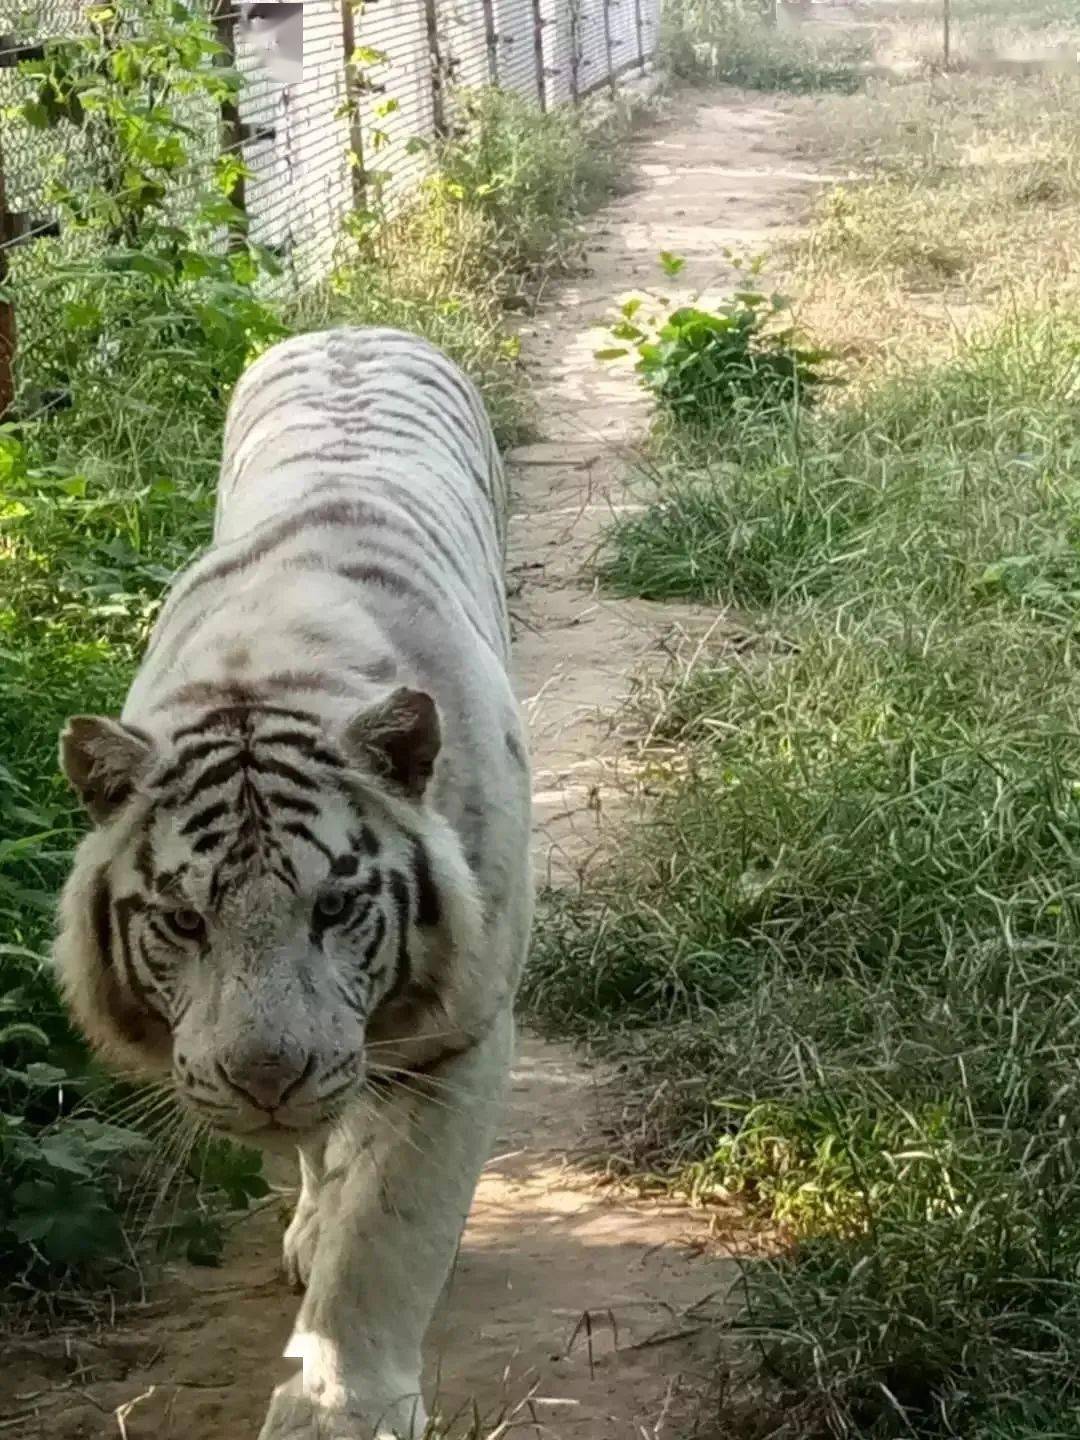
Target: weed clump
{"type": "Point", "coordinates": [743, 357]}
{"type": "Point", "coordinates": [737, 43]}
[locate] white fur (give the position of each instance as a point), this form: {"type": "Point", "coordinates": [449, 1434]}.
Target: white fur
{"type": "Point", "coordinates": [386, 1192]}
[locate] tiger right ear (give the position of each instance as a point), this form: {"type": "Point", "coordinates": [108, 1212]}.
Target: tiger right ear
{"type": "Point", "coordinates": [103, 759]}
{"type": "Point", "coordinates": [399, 738]}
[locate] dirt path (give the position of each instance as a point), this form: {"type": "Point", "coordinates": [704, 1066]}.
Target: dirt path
{"type": "Point", "coordinates": [720, 173]}
{"type": "Point", "coordinates": [572, 1310]}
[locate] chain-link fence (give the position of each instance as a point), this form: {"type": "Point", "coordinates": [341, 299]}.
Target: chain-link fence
{"type": "Point", "coordinates": [379, 78]}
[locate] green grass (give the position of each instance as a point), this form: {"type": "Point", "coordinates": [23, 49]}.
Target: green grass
{"type": "Point", "coordinates": [960, 482]}
{"type": "Point", "coordinates": [980, 31]}
{"type": "Point", "coordinates": [722, 41]}
{"type": "Point", "coordinates": [965, 182]}
{"type": "Point", "coordinates": [526, 183]}
{"type": "Point", "coordinates": [101, 504]}
{"type": "Point", "coordinates": [843, 959]}
{"type": "Point", "coordinates": [1033, 14]}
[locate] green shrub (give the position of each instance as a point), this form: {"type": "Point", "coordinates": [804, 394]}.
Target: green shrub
{"type": "Point", "coordinates": [531, 175]}
{"type": "Point", "coordinates": [744, 357]}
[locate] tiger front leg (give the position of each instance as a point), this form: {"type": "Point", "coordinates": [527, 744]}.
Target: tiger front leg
{"type": "Point", "coordinates": [302, 1237]}
{"type": "Point", "coordinates": [390, 1215]}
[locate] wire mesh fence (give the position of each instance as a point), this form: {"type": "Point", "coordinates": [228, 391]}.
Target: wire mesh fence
{"type": "Point", "coordinates": [379, 79]}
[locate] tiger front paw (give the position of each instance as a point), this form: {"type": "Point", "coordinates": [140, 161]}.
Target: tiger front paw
{"type": "Point", "coordinates": [296, 1414]}
{"type": "Point", "coordinates": [299, 1244]}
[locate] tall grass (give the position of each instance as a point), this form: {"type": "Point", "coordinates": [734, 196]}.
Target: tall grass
{"type": "Point", "coordinates": [710, 41]}
{"type": "Point", "coordinates": [843, 955]}
{"type": "Point", "coordinates": [964, 204]}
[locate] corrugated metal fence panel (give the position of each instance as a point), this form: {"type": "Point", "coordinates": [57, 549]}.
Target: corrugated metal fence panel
{"type": "Point", "coordinates": [650, 27]}
{"type": "Point", "coordinates": [624, 39]}
{"type": "Point", "coordinates": [300, 187]}
{"type": "Point", "coordinates": [463, 43]}
{"type": "Point", "coordinates": [319, 142]}
{"type": "Point", "coordinates": [516, 46]}
{"type": "Point", "coordinates": [558, 51]}
{"type": "Point", "coordinates": [264, 109]}
{"type": "Point", "coordinates": [593, 68]}
{"type": "Point", "coordinates": [398, 30]}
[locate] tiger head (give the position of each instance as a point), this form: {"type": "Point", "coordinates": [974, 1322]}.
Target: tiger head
{"type": "Point", "coordinates": [254, 889]}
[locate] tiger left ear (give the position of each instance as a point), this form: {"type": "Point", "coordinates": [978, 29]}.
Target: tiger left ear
{"type": "Point", "coordinates": [103, 759]}
{"type": "Point", "coordinates": [399, 738]}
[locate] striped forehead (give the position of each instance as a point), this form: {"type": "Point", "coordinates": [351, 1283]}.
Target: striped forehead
{"type": "Point", "coordinates": [248, 794]}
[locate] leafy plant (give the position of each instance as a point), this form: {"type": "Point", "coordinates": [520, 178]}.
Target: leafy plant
{"type": "Point", "coordinates": [58, 1188]}
{"type": "Point", "coordinates": [531, 174]}
{"type": "Point", "coordinates": [702, 364]}
{"type": "Point", "coordinates": [146, 204]}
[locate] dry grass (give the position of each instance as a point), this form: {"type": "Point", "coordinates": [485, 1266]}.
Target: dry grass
{"type": "Point", "coordinates": [1020, 33]}
{"type": "Point", "coordinates": [965, 199]}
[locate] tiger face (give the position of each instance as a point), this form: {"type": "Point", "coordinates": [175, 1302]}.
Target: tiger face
{"type": "Point", "coordinates": [255, 890]}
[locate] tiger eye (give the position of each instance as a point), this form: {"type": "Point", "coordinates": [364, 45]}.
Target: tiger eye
{"type": "Point", "coordinates": [188, 923]}
{"type": "Point", "coordinates": [331, 904]}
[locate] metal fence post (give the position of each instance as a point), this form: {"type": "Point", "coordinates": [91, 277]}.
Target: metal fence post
{"type": "Point", "coordinates": [491, 40]}
{"type": "Point", "coordinates": [606, 4]}
{"type": "Point", "coordinates": [574, 15]}
{"type": "Point", "coordinates": [639, 25]}
{"type": "Point", "coordinates": [946, 32]}
{"type": "Point", "coordinates": [352, 99]}
{"type": "Point", "coordinates": [232, 131]}
{"type": "Point", "coordinates": [538, 47]}
{"type": "Point", "coordinates": [7, 306]}
{"type": "Point", "coordinates": [438, 71]}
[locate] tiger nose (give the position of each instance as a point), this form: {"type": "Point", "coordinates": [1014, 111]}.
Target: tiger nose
{"type": "Point", "coordinates": [268, 1078]}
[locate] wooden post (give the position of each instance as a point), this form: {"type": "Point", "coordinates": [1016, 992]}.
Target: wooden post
{"type": "Point", "coordinates": [607, 46]}
{"type": "Point", "coordinates": [7, 309]}
{"type": "Point", "coordinates": [352, 99]}
{"type": "Point", "coordinates": [538, 48]}
{"type": "Point", "coordinates": [231, 130]}
{"type": "Point", "coordinates": [438, 72]}
{"type": "Point", "coordinates": [491, 40]}
{"type": "Point", "coordinates": [946, 35]}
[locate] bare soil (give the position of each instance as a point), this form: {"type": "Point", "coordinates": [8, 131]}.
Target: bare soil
{"type": "Point", "coordinates": [574, 1310]}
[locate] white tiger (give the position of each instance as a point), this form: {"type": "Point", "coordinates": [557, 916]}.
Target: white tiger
{"type": "Point", "coordinates": [307, 897]}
